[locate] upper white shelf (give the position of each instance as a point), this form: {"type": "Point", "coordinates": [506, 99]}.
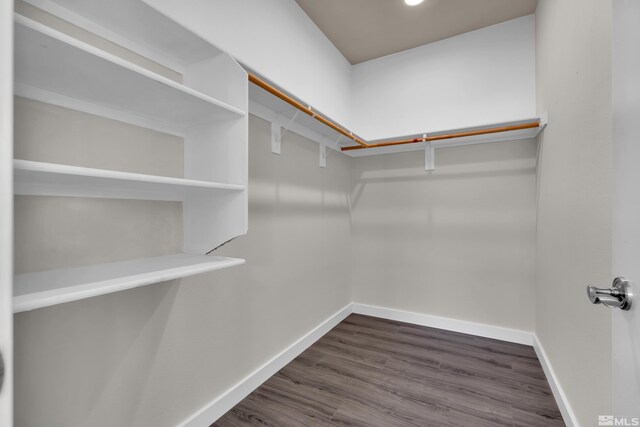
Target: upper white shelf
{"type": "Point", "coordinates": [50, 179]}
{"type": "Point", "coordinates": [43, 289]}
{"type": "Point", "coordinates": [271, 108]}
{"type": "Point", "coordinates": [53, 67]}
{"type": "Point", "coordinates": [135, 25]}
{"type": "Point", "coordinates": [512, 135]}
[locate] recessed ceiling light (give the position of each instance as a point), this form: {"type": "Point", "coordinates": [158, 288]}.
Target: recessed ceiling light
{"type": "Point", "coordinates": [412, 2]}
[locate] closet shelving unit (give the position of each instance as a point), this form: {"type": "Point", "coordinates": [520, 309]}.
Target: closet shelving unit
{"type": "Point", "coordinates": [208, 109]}
{"type": "Point", "coordinates": [275, 105]}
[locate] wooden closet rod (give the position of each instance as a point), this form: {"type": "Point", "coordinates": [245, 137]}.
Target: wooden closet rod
{"type": "Point", "coordinates": [304, 108]}
{"type": "Point", "coordinates": [449, 136]}
{"type": "Point", "coordinates": [362, 144]}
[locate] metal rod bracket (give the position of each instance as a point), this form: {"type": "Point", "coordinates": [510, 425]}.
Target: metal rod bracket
{"type": "Point", "coordinates": [429, 156]}
{"type": "Point", "coordinates": [323, 155]}
{"type": "Point", "coordinates": [276, 138]}
{"type": "Point", "coordinates": [336, 144]}
{"type": "Point", "coordinates": [293, 119]}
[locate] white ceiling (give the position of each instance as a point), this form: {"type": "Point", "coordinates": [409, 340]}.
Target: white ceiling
{"type": "Point", "coordinates": [368, 29]}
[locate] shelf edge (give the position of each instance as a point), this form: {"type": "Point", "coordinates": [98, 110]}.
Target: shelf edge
{"type": "Point", "coordinates": [49, 298]}
{"type": "Point", "coordinates": [92, 50]}
{"type": "Point", "coordinates": [81, 171]}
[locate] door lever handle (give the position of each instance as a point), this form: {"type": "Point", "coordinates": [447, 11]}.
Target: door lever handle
{"type": "Point", "coordinates": [617, 296]}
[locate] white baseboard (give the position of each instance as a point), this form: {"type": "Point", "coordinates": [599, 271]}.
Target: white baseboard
{"type": "Point", "coordinates": [219, 406]}
{"type": "Point", "coordinates": [568, 415]}
{"type": "Point", "coordinates": [478, 329]}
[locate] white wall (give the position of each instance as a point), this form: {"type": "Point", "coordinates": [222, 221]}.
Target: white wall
{"type": "Point", "coordinates": [457, 243]}
{"type": "Point", "coordinates": [278, 40]}
{"type": "Point", "coordinates": [482, 77]}
{"type": "Point", "coordinates": [626, 201]}
{"type": "Point", "coordinates": [6, 210]}
{"type": "Point", "coordinates": [155, 355]}
{"type": "Point", "coordinates": [573, 55]}
{"type": "Point", "coordinates": [67, 27]}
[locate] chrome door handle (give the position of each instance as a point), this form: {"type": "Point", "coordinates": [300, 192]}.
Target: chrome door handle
{"type": "Point", "coordinates": [617, 296]}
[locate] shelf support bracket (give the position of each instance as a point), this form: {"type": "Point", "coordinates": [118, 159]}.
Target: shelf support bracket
{"type": "Point", "coordinates": [293, 119]}
{"type": "Point", "coordinates": [277, 133]}
{"type": "Point", "coordinates": [336, 144]}
{"type": "Point", "coordinates": [429, 156]}
{"type": "Point", "coordinates": [544, 121]}
{"type": "Point", "coordinates": [276, 138]}
{"type": "Point", "coordinates": [323, 155]}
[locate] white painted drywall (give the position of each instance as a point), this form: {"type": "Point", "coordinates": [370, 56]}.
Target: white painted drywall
{"type": "Point", "coordinates": [278, 40]}
{"type": "Point", "coordinates": [6, 211]}
{"type": "Point", "coordinates": [626, 202]}
{"type": "Point", "coordinates": [482, 77]}
{"type": "Point", "coordinates": [67, 27]}
{"type": "Point", "coordinates": [573, 57]}
{"type": "Point", "coordinates": [456, 243]}
{"type": "Point", "coordinates": [54, 124]}
{"type": "Point", "coordinates": [154, 356]}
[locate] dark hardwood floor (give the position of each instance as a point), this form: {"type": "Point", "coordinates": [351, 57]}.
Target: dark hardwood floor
{"type": "Point", "coordinates": [375, 372]}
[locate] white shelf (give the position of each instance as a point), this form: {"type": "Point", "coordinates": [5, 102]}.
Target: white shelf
{"type": "Point", "coordinates": [43, 289]}
{"type": "Point", "coordinates": [53, 67]}
{"type": "Point", "coordinates": [137, 26]}
{"type": "Point", "coordinates": [208, 109]}
{"type": "Point", "coordinates": [456, 142]}
{"type": "Point", "coordinates": [49, 179]}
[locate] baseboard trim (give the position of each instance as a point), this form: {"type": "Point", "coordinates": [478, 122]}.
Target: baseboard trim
{"type": "Point", "coordinates": [472, 328]}
{"type": "Point", "coordinates": [483, 330]}
{"type": "Point", "coordinates": [559, 395]}
{"type": "Point", "coordinates": [219, 406]}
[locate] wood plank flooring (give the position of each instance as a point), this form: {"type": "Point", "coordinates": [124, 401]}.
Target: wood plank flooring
{"type": "Point", "coordinates": [374, 372]}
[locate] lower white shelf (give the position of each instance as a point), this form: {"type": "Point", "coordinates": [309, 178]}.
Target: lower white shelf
{"type": "Point", "coordinates": [43, 289]}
